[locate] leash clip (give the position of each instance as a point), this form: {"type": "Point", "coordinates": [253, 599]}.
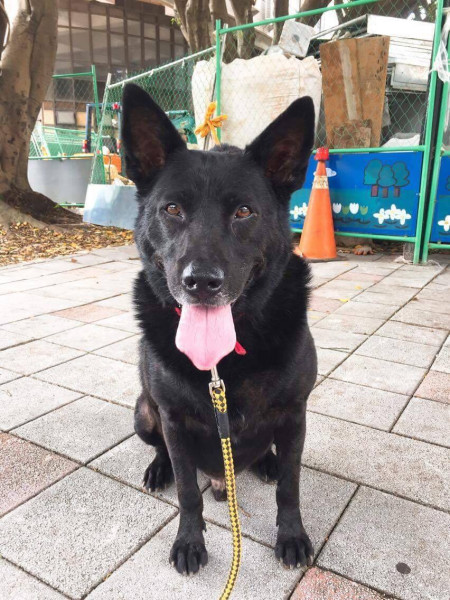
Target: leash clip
{"type": "Point", "coordinates": [216, 383]}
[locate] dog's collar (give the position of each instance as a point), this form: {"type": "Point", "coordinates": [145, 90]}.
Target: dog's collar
{"type": "Point", "coordinates": [238, 348]}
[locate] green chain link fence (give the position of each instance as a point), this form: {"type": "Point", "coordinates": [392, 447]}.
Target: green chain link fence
{"type": "Point", "coordinates": [61, 132]}
{"type": "Point", "coordinates": [171, 86]}
{"type": "Point", "coordinates": [253, 92]}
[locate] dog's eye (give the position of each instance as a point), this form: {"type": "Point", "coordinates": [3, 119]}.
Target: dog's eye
{"type": "Point", "coordinates": [243, 212]}
{"type": "Point", "coordinates": [174, 210]}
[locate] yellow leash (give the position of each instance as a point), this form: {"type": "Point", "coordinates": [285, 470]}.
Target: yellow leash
{"type": "Point", "coordinates": [217, 391]}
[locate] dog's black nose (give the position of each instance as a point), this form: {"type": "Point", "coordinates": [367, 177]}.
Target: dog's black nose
{"type": "Point", "coordinates": [202, 281]}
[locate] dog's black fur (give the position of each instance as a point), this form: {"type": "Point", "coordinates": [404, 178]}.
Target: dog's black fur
{"type": "Point", "coordinates": [249, 261]}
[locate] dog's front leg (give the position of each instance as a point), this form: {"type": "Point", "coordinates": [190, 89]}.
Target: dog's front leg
{"type": "Point", "coordinates": [188, 552]}
{"type": "Point", "coordinates": [293, 547]}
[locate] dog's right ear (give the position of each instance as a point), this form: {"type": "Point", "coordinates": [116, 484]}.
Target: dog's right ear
{"type": "Point", "coordinates": [148, 136]}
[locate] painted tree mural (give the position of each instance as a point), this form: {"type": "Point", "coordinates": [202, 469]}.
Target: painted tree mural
{"type": "Point", "coordinates": [401, 175]}
{"type": "Point", "coordinates": [386, 179]}
{"type": "Point", "coordinates": [447, 186]}
{"type": "Point", "coordinates": [371, 175]}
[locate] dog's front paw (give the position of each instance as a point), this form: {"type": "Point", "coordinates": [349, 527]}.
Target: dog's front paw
{"type": "Point", "coordinates": [294, 551]}
{"type": "Point", "coordinates": [187, 557]}
{"type": "Point", "coordinates": [158, 474]}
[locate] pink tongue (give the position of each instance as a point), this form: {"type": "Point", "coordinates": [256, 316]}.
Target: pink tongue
{"type": "Point", "coordinates": [206, 334]}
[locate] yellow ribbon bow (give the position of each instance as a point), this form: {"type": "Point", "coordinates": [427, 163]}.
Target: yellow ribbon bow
{"type": "Point", "coordinates": [211, 123]}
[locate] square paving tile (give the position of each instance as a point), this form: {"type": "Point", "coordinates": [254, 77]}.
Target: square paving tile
{"type": "Point", "coordinates": [426, 420]}
{"type": "Point", "coordinates": [378, 534]}
{"type": "Point", "coordinates": [357, 275]}
{"type": "Point", "coordinates": [435, 386]}
{"type": "Point", "coordinates": [88, 337]}
{"type": "Point", "coordinates": [122, 302]}
{"type": "Point", "coordinates": [386, 295]}
{"type": "Point", "coordinates": [148, 574]}
{"type": "Point", "coordinates": [76, 532]}
{"type": "Point", "coordinates": [6, 375]}
{"type": "Point", "coordinates": [41, 326]}
{"type": "Point", "coordinates": [18, 585]}
{"type": "Point", "coordinates": [323, 305]}
{"type": "Point", "coordinates": [9, 339]}
{"type": "Point", "coordinates": [25, 470]}
{"type": "Point", "coordinates": [409, 314]}
{"type": "Point", "coordinates": [412, 333]}
{"type": "Point", "coordinates": [339, 290]}
{"type": "Point", "coordinates": [17, 306]}
{"type": "Point", "coordinates": [380, 374]}
{"type": "Point", "coordinates": [431, 305]}
{"type": "Point", "coordinates": [357, 403]}
{"type": "Point", "coordinates": [35, 356]}
{"type": "Point", "coordinates": [25, 399]}
{"type": "Point", "coordinates": [398, 351]}
{"type": "Point", "coordinates": [350, 323]}
{"type": "Point", "coordinates": [128, 461]}
{"type": "Point", "coordinates": [125, 350]}
{"type": "Point", "coordinates": [328, 360]}
{"type": "Point", "coordinates": [81, 430]}
{"type": "Point", "coordinates": [322, 500]}
{"type": "Point", "coordinates": [389, 462]}
{"type": "Point", "coordinates": [343, 341]}
{"type": "Point", "coordinates": [124, 321]}
{"type": "Point", "coordinates": [442, 362]}
{"type": "Point", "coordinates": [323, 585]}
{"type": "Point", "coordinates": [364, 309]}
{"type": "Point", "coordinates": [97, 376]}
{"type": "Point", "coordinates": [89, 313]}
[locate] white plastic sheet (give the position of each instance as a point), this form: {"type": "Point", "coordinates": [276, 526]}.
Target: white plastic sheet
{"type": "Point", "coordinates": [255, 92]}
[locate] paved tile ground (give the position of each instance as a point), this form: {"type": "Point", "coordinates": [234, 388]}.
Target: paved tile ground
{"type": "Point", "coordinates": [76, 523]}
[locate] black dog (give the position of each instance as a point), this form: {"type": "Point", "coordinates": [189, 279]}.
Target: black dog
{"type": "Point", "coordinates": [213, 230]}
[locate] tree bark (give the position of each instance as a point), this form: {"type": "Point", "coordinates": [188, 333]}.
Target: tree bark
{"type": "Point", "coordinates": [26, 69]}
{"type": "Point", "coordinates": [281, 8]}
{"type": "Point", "coordinates": [245, 39]}
{"type": "Point", "coordinates": [198, 22]}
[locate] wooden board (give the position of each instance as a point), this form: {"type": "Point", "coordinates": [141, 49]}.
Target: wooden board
{"type": "Point", "coordinates": [352, 134]}
{"type": "Point", "coordinates": [354, 82]}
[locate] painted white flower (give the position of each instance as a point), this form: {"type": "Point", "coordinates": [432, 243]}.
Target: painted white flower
{"type": "Point", "coordinates": [331, 173]}
{"type": "Point", "coordinates": [299, 211]}
{"type": "Point", "coordinates": [445, 223]}
{"type": "Point", "coordinates": [337, 207]}
{"type": "Point", "coordinates": [354, 208]}
{"type": "Point", "coordinates": [402, 216]}
{"type": "Point", "coordinates": [394, 211]}
{"type": "Point", "coordinates": [381, 215]}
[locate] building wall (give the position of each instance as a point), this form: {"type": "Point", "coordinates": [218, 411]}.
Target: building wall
{"type": "Point", "coordinates": [119, 38]}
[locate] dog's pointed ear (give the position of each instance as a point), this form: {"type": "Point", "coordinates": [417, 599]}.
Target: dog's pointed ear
{"type": "Point", "coordinates": [148, 136]}
{"type": "Point", "coordinates": [284, 147]}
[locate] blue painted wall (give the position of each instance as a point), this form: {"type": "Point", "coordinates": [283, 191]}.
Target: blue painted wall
{"type": "Point", "coordinates": [374, 193]}
{"type": "Point", "coordinates": [440, 231]}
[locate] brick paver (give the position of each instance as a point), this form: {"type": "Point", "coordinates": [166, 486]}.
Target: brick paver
{"type": "Point", "coordinates": [323, 585]}
{"type": "Point", "coordinates": [375, 484]}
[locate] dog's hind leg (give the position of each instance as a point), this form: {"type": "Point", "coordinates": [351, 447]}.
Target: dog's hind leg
{"type": "Point", "coordinates": [159, 473]}
{"type": "Point", "coordinates": [266, 467]}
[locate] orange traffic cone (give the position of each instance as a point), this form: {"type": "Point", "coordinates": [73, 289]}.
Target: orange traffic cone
{"type": "Point", "coordinates": [317, 240]}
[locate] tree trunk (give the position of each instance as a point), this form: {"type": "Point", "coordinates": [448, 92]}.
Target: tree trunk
{"type": "Point", "coordinates": [198, 22]}
{"type": "Point", "coordinates": [245, 39]}
{"type": "Point", "coordinates": [374, 193]}
{"type": "Point", "coordinates": [281, 8]}
{"type": "Point", "coordinates": [26, 69]}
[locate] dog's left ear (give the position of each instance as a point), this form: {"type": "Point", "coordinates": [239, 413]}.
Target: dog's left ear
{"type": "Point", "coordinates": [284, 147]}
{"type": "Point", "coordinates": [148, 135]}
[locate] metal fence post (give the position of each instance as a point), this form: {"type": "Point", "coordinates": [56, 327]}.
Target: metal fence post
{"type": "Point", "coordinates": [436, 168]}
{"type": "Point", "coordinates": [94, 83]}
{"type": "Point", "coordinates": [428, 128]}
{"type": "Point", "coordinates": [218, 73]}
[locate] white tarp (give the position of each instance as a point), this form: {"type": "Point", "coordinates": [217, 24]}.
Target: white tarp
{"type": "Point", "coordinates": [255, 92]}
